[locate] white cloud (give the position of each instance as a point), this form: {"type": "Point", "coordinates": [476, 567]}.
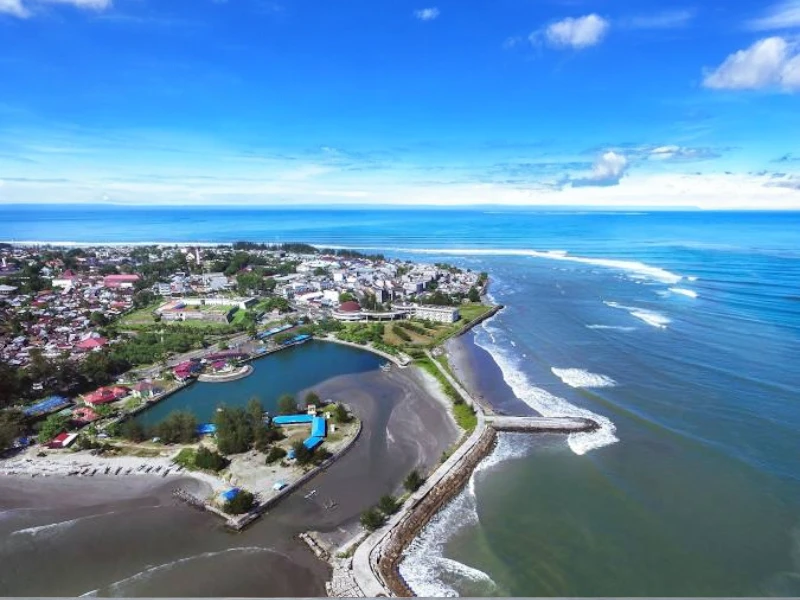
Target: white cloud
{"type": "Point", "coordinates": [14, 7]}
{"type": "Point", "coordinates": [427, 14]}
{"type": "Point", "coordinates": [577, 33]}
{"type": "Point", "coordinates": [664, 20]}
{"type": "Point", "coordinates": [784, 15]}
{"type": "Point", "coordinates": [18, 9]}
{"type": "Point", "coordinates": [90, 4]}
{"type": "Point", "coordinates": [606, 170]}
{"type": "Point", "coordinates": [771, 62]}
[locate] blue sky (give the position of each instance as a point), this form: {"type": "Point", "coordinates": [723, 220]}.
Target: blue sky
{"type": "Point", "coordinates": [573, 102]}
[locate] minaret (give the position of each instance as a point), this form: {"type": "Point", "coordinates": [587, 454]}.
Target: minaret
{"type": "Point", "coordinates": [197, 254]}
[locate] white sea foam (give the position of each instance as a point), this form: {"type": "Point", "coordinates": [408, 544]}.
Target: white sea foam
{"type": "Point", "coordinates": [651, 317]}
{"type": "Point", "coordinates": [632, 267]}
{"type": "Point", "coordinates": [580, 378]}
{"type": "Point", "coordinates": [611, 327]}
{"type": "Point", "coordinates": [542, 401]}
{"type": "Point", "coordinates": [683, 292]}
{"type": "Point", "coordinates": [117, 586]}
{"type": "Point", "coordinates": [691, 278]}
{"type": "Point", "coordinates": [51, 529]}
{"type": "Point", "coordinates": [425, 568]}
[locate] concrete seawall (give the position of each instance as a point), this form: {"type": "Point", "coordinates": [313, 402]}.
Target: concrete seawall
{"type": "Point", "coordinates": [375, 566]}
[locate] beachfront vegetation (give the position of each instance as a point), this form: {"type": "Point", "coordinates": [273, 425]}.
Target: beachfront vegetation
{"type": "Point", "coordinates": [235, 429]}
{"type": "Point", "coordinates": [463, 413]}
{"type": "Point", "coordinates": [11, 427]}
{"type": "Point", "coordinates": [275, 454]}
{"type": "Point", "coordinates": [413, 481]}
{"type": "Point", "coordinates": [240, 503]}
{"type": "Point", "coordinates": [180, 427]}
{"type": "Point", "coordinates": [287, 405]}
{"type": "Point", "coordinates": [209, 460]}
{"type": "Point", "coordinates": [341, 415]}
{"type": "Point", "coordinates": [133, 431]}
{"type": "Point", "coordinates": [388, 505]}
{"type": "Point", "coordinates": [372, 519]}
{"type": "Point", "coordinates": [313, 399]}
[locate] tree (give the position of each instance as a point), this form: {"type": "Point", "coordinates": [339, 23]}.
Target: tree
{"type": "Point", "coordinates": [275, 453]}
{"type": "Point", "coordinates": [287, 405]}
{"type": "Point", "coordinates": [11, 426]}
{"type": "Point", "coordinates": [209, 460]}
{"type": "Point", "coordinates": [313, 399]}
{"type": "Point", "coordinates": [52, 426]}
{"type": "Point", "coordinates": [180, 427]}
{"type": "Point", "coordinates": [240, 503]}
{"type": "Point", "coordinates": [346, 297]}
{"type": "Point", "coordinates": [372, 519]}
{"type": "Point", "coordinates": [133, 430]}
{"type": "Point", "coordinates": [143, 298]}
{"type": "Point", "coordinates": [413, 481]}
{"type": "Point", "coordinates": [235, 431]}
{"type": "Point", "coordinates": [341, 415]}
{"type": "Point", "coordinates": [474, 295]}
{"type": "Point", "coordinates": [388, 505]}
{"type": "Point", "coordinates": [302, 455]}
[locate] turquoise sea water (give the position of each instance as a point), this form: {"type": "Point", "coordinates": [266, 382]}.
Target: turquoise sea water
{"type": "Point", "coordinates": [679, 332]}
{"type": "Point", "coordinates": [285, 372]}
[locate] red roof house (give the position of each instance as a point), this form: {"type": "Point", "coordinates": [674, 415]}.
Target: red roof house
{"type": "Point", "coordinates": [105, 395]}
{"type": "Point", "coordinates": [83, 415]}
{"type": "Point", "coordinates": [62, 440]}
{"type": "Point", "coordinates": [349, 306]}
{"type": "Point", "coordinates": [91, 343]}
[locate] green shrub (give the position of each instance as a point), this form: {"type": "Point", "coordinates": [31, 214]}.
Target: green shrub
{"type": "Point", "coordinates": [275, 454]}
{"type": "Point", "coordinates": [209, 460]}
{"type": "Point", "coordinates": [413, 481]}
{"type": "Point", "coordinates": [372, 519]}
{"type": "Point", "coordinates": [388, 505]}
{"type": "Point", "coordinates": [240, 504]}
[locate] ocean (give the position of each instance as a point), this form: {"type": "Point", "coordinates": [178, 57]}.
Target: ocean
{"type": "Point", "coordinates": [678, 331]}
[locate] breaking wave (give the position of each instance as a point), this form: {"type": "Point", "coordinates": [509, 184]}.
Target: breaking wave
{"type": "Point", "coordinates": [650, 317]}
{"type": "Point", "coordinates": [580, 378]}
{"type": "Point", "coordinates": [117, 586]}
{"type": "Point", "coordinates": [611, 327]}
{"type": "Point", "coordinates": [542, 401]}
{"type": "Point", "coordinates": [683, 292]}
{"type": "Point", "coordinates": [633, 267]}
{"type": "Point", "coordinates": [51, 529]}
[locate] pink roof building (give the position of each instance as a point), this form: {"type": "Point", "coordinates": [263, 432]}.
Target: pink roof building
{"type": "Point", "coordinates": [119, 281]}
{"type": "Point", "coordinates": [91, 343]}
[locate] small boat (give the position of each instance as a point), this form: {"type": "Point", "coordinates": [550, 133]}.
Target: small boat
{"type": "Point", "coordinates": [386, 367]}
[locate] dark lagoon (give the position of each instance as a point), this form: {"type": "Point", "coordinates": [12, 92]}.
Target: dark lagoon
{"type": "Point", "coordinates": [285, 372]}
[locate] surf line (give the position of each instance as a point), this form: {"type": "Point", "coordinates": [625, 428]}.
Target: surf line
{"type": "Point", "coordinates": [376, 562]}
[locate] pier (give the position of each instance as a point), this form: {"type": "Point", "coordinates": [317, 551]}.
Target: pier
{"type": "Point", "coordinates": [541, 424]}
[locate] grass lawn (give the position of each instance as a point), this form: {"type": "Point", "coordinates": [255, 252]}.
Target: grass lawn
{"type": "Point", "coordinates": [470, 312]}
{"type": "Point", "coordinates": [143, 316]}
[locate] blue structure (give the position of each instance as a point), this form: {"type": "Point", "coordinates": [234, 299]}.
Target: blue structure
{"type": "Point", "coordinates": [292, 419]}
{"type": "Point", "coordinates": [312, 442]}
{"type": "Point", "coordinates": [45, 406]}
{"type": "Point", "coordinates": [206, 429]}
{"type": "Point", "coordinates": [297, 339]}
{"type": "Point", "coordinates": [274, 331]}
{"type": "Point", "coordinates": [319, 429]}
{"type": "Point", "coordinates": [230, 494]}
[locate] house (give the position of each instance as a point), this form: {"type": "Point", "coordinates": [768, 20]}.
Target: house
{"type": "Point", "coordinates": [120, 281]}
{"type": "Point", "coordinates": [91, 343]}
{"type": "Point", "coordinates": [146, 390]}
{"type": "Point", "coordinates": [83, 415]}
{"type": "Point", "coordinates": [62, 440]}
{"type": "Point", "coordinates": [186, 370]}
{"type": "Point", "coordinates": [7, 290]}
{"type": "Point", "coordinates": [106, 395]}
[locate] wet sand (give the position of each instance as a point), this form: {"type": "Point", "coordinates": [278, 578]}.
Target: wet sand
{"type": "Point", "coordinates": [128, 536]}
{"type": "Point", "coordinates": [477, 371]}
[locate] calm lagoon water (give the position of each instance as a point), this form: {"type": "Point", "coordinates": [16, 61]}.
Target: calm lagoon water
{"type": "Point", "coordinates": [285, 372]}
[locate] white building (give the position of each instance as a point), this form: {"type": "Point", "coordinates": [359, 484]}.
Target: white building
{"type": "Point", "coordinates": [439, 314]}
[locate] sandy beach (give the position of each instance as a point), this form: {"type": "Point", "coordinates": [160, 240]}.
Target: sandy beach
{"type": "Point", "coordinates": [126, 535]}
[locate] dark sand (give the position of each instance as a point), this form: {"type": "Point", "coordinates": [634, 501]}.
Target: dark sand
{"type": "Point", "coordinates": [479, 374]}
{"type": "Point", "coordinates": [128, 537]}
